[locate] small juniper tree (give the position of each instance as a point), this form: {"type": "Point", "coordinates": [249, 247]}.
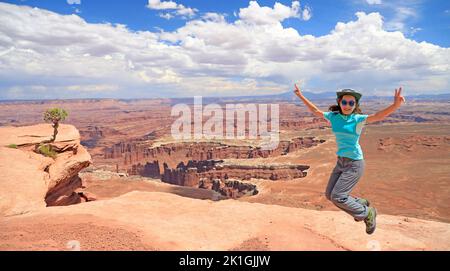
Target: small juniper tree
{"type": "Point", "coordinates": [55, 115]}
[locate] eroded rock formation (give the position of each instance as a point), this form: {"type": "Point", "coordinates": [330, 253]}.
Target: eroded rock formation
{"type": "Point", "coordinates": [203, 161]}
{"type": "Point", "coordinates": [149, 169]}
{"type": "Point", "coordinates": [126, 155]}
{"type": "Point", "coordinates": [303, 124]}
{"type": "Point", "coordinates": [31, 180]}
{"type": "Point", "coordinates": [412, 143]}
{"type": "Point", "coordinates": [229, 188]}
{"type": "Point", "coordinates": [225, 178]}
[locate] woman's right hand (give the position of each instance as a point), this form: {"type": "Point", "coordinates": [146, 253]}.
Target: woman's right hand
{"type": "Point", "coordinates": [398, 98]}
{"type": "Point", "coordinates": [297, 91]}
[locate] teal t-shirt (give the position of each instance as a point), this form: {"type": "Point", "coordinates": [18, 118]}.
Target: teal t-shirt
{"type": "Point", "coordinates": [347, 130]}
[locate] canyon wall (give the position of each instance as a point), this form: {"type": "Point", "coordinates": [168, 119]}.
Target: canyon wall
{"type": "Point", "coordinates": [226, 178]}
{"type": "Point", "coordinates": [128, 154]}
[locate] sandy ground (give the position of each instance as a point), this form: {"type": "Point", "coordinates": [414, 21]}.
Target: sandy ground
{"type": "Point", "coordinates": [164, 221]}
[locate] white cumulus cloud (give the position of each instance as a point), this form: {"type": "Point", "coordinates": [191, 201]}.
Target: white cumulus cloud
{"type": "Point", "coordinates": [66, 56]}
{"type": "Point", "coordinates": [166, 16]}
{"type": "Point", "coordinates": [179, 9]}
{"type": "Point", "coordinates": [373, 2]}
{"type": "Point", "coordinates": [257, 14]}
{"type": "Point", "coordinates": [74, 2]}
{"type": "Point", "coordinates": [399, 21]}
{"type": "Point", "coordinates": [307, 13]}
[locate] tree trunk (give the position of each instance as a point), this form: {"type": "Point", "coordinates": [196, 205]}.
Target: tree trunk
{"type": "Point", "coordinates": [55, 130]}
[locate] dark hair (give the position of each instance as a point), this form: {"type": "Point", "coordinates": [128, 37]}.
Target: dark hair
{"type": "Point", "coordinates": [337, 107]}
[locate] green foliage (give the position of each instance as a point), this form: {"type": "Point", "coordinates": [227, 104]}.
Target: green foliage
{"type": "Point", "coordinates": [12, 146]}
{"type": "Point", "coordinates": [47, 150]}
{"type": "Point", "coordinates": [55, 115]}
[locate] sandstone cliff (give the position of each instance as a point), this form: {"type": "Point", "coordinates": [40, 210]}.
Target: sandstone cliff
{"type": "Point", "coordinates": [31, 180]}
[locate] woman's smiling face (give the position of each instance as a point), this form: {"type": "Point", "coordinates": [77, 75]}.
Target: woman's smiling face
{"type": "Point", "coordinates": [347, 104]}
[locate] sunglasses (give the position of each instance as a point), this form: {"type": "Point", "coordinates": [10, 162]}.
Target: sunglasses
{"type": "Point", "coordinates": [345, 102]}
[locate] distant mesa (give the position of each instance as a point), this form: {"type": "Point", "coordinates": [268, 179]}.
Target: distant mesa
{"type": "Point", "coordinates": [132, 156]}
{"type": "Point", "coordinates": [200, 164]}
{"type": "Point", "coordinates": [227, 178]}
{"type": "Point", "coordinates": [412, 143]}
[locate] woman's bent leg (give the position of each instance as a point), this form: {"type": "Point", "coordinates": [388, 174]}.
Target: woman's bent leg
{"type": "Point", "coordinates": [340, 195]}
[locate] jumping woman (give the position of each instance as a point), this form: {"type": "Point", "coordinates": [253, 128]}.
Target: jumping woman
{"type": "Point", "coordinates": [347, 122]}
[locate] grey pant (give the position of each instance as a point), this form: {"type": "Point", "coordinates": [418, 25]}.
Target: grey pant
{"type": "Point", "coordinates": [344, 177]}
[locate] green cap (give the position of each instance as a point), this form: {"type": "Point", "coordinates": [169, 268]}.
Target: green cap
{"type": "Point", "coordinates": [349, 91]}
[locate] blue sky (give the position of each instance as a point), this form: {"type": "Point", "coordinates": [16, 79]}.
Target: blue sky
{"type": "Point", "coordinates": [142, 48]}
{"type": "Point", "coordinates": [432, 17]}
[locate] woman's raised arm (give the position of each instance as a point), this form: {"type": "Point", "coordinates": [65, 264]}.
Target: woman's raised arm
{"type": "Point", "coordinates": [316, 111]}
{"type": "Point", "coordinates": [381, 115]}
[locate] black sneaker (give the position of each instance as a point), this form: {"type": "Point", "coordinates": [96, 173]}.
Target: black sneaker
{"type": "Point", "coordinates": [371, 220]}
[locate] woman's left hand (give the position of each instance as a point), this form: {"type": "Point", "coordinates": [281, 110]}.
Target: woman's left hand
{"type": "Point", "coordinates": [398, 98]}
